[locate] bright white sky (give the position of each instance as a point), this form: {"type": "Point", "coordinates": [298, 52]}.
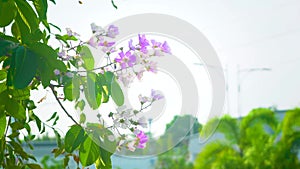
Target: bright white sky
{"type": "Point", "coordinates": [251, 34]}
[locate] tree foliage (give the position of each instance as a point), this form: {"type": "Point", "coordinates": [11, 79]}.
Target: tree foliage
{"type": "Point", "coordinates": [27, 61]}
{"type": "Point", "coordinates": [257, 141]}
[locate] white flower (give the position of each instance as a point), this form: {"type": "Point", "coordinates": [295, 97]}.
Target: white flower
{"type": "Point", "coordinates": [97, 29]}
{"type": "Point", "coordinates": [122, 117]}
{"type": "Point", "coordinates": [131, 146]}
{"type": "Point", "coordinates": [144, 99]}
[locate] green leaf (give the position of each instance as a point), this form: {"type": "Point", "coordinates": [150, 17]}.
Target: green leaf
{"type": "Point", "coordinates": [72, 89]}
{"type": "Point", "coordinates": [89, 152]}
{"type": "Point", "coordinates": [109, 77]}
{"type": "Point", "coordinates": [74, 137]}
{"type": "Point", "coordinates": [87, 58]}
{"type": "Point", "coordinates": [52, 117]}
{"type": "Point", "coordinates": [104, 162]}
{"type": "Point", "coordinates": [55, 121]}
{"type": "Point", "coordinates": [3, 74]}
{"type": "Point", "coordinates": [38, 122]}
{"type": "Point", "coordinates": [26, 66]}
{"type": "Point", "coordinates": [58, 139]}
{"type": "Point", "coordinates": [66, 161]}
{"type": "Point", "coordinates": [116, 93]}
{"type": "Point", "coordinates": [92, 91]}
{"type": "Point", "coordinates": [104, 87]}
{"type": "Point", "coordinates": [65, 38]}
{"type": "Point", "coordinates": [17, 125]}
{"type": "Point", "coordinates": [55, 27]}
{"type": "Point", "coordinates": [80, 105]}
{"type": "Point", "coordinates": [15, 30]}
{"type": "Point", "coordinates": [20, 94]}
{"type": "Point", "coordinates": [8, 12]}
{"type": "Point", "coordinates": [5, 47]}
{"type": "Point", "coordinates": [82, 118]}
{"type": "Point", "coordinates": [28, 15]}
{"type": "Point", "coordinates": [2, 88]}
{"type": "Point", "coordinates": [15, 109]}
{"type": "Point", "coordinates": [37, 35]}
{"type": "Point", "coordinates": [41, 7]}
{"type": "Point", "coordinates": [20, 30]}
{"type": "Point", "coordinates": [47, 62]}
{"type": "Point", "coordinates": [2, 123]}
{"type": "Point", "coordinates": [34, 166]}
{"type": "Point", "coordinates": [30, 105]}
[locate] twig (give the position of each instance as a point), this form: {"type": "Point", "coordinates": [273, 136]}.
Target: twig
{"type": "Point", "coordinates": [63, 108]}
{"type": "Point", "coordinates": [9, 120]}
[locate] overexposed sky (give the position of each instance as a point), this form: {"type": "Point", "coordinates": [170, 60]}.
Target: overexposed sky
{"type": "Point", "coordinates": [251, 34]}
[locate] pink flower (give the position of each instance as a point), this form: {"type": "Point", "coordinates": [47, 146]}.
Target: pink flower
{"type": "Point", "coordinates": [56, 72]}
{"type": "Point", "coordinates": [126, 59]}
{"type": "Point", "coordinates": [155, 95]}
{"type": "Point", "coordinates": [112, 31]}
{"type": "Point", "coordinates": [131, 47]}
{"type": "Point", "coordinates": [143, 99]}
{"type": "Point", "coordinates": [131, 146]}
{"type": "Point", "coordinates": [151, 67]}
{"type": "Point", "coordinates": [143, 42]}
{"type": "Point", "coordinates": [71, 33]}
{"type": "Point", "coordinates": [106, 44]}
{"type": "Point", "coordinates": [155, 44]}
{"type": "Point", "coordinates": [142, 139]}
{"type": "Point", "coordinates": [165, 48]}
{"type": "Point", "coordinates": [93, 42]}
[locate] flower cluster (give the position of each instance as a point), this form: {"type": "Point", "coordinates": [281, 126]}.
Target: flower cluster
{"type": "Point", "coordinates": [126, 118]}
{"type": "Point", "coordinates": [138, 140]}
{"type": "Point", "coordinates": [98, 38]}
{"type": "Point", "coordinates": [126, 63]}
{"type": "Point", "coordinates": [154, 97]}
{"type": "Point", "coordinates": [138, 57]}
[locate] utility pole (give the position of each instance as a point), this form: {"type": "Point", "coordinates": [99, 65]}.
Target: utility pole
{"type": "Point", "coordinates": [239, 83]}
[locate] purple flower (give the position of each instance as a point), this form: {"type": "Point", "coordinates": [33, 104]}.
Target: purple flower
{"type": "Point", "coordinates": [143, 43]}
{"type": "Point", "coordinates": [126, 59]}
{"type": "Point", "coordinates": [69, 74]}
{"type": "Point", "coordinates": [106, 44]}
{"type": "Point", "coordinates": [142, 139]}
{"type": "Point", "coordinates": [139, 74]}
{"type": "Point", "coordinates": [131, 47]}
{"type": "Point", "coordinates": [151, 66]}
{"type": "Point", "coordinates": [155, 44]}
{"type": "Point", "coordinates": [69, 32]}
{"type": "Point", "coordinates": [112, 31]}
{"type": "Point", "coordinates": [56, 72]}
{"type": "Point", "coordinates": [143, 99]}
{"type": "Point", "coordinates": [155, 95]}
{"type": "Point", "coordinates": [165, 48]}
{"type": "Point", "coordinates": [61, 54]}
{"type": "Point", "coordinates": [93, 42]}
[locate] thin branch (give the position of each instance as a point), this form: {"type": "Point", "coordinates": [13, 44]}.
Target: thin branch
{"type": "Point", "coordinates": [63, 108]}
{"type": "Point", "coordinates": [9, 121]}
